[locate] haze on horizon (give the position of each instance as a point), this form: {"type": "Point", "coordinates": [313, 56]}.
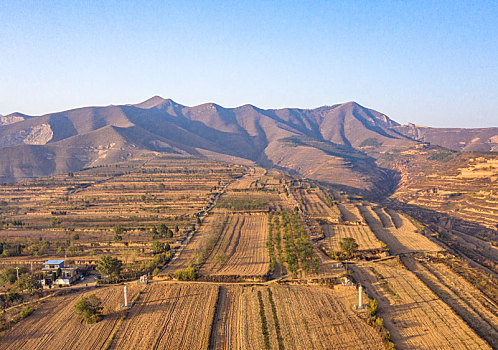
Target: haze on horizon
{"type": "Point", "coordinates": [430, 63]}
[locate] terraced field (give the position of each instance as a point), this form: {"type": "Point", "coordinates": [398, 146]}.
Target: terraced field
{"type": "Point", "coordinates": [313, 204]}
{"type": "Point", "coordinates": [362, 234]}
{"type": "Point", "coordinates": [349, 212]}
{"type": "Point", "coordinates": [416, 317]}
{"type": "Point", "coordinates": [241, 248]}
{"type": "Point", "coordinates": [477, 310]}
{"type": "Point", "coordinates": [465, 189]}
{"type": "Point", "coordinates": [195, 250]}
{"type": "Point", "coordinates": [262, 284]}
{"type": "Point", "coordinates": [54, 325]}
{"type": "Point", "coordinates": [169, 316]}
{"type": "Point", "coordinates": [136, 195]}
{"type": "Point", "coordinates": [296, 317]}
{"type": "Point", "coordinates": [396, 231]}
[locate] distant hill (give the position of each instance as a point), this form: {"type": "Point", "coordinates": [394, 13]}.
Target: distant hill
{"type": "Point", "coordinates": [458, 139]}
{"type": "Point", "coordinates": [338, 144]}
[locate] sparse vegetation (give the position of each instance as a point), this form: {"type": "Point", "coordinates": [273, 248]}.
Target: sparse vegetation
{"type": "Point", "coordinates": [89, 308]}
{"type": "Point", "coordinates": [109, 265]}
{"type": "Point", "coordinates": [348, 246]}
{"type": "Point", "coordinates": [189, 274]}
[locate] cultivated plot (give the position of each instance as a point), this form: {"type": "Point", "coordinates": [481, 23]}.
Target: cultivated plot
{"type": "Point", "coordinates": [169, 316]}
{"type": "Point", "coordinates": [290, 317]}
{"type": "Point", "coordinates": [362, 234]}
{"type": "Point", "coordinates": [400, 238]}
{"type": "Point", "coordinates": [415, 316]}
{"type": "Point", "coordinates": [241, 249]}
{"type": "Point", "coordinates": [475, 308]}
{"type": "Point", "coordinates": [55, 326]}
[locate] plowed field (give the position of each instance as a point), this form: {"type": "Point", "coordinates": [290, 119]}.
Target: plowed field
{"type": "Point", "coordinates": [415, 316]}
{"type": "Point", "coordinates": [169, 316]}
{"type": "Point", "coordinates": [241, 249]}
{"type": "Point", "coordinates": [55, 326]}
{"type": "Point", "coordinates": [307, 318]}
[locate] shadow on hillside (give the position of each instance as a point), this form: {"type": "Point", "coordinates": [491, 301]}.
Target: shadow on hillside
{"type": "Point", "coordinates": [468, 238]}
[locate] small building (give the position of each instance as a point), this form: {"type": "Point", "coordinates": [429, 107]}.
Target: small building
{"type": "Point", "coordinates": [55, 272]}
{"type": "Point", "coordinates": [52, 265]}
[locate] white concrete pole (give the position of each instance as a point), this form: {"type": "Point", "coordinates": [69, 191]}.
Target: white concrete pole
{"type": "Point", "coordinates": [360, 297]}
{"type": "Point", "coordinates": [126, 296]}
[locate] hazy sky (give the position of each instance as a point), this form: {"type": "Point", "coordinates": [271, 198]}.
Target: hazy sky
{"type": "Point", "coordinates": [430, 62]}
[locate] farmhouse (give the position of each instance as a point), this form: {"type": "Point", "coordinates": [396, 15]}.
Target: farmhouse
{"type": "Point", "coordinates": [56, 273]}
{"type": "Point", "coordinates": [52, 265]}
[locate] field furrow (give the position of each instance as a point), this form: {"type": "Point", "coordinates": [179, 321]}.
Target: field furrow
{"type": "Point", "coordinates": [416, 317]}
{"type": "Point", "coordinates": [241, 250]}
{"type": "Point", "coordinates": [169, 316]}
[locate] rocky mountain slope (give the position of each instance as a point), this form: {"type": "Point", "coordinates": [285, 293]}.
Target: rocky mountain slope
{"type": "Point", "coordinates": [458, 139]}
{"type": "Point", "coordinates": [339, 145]}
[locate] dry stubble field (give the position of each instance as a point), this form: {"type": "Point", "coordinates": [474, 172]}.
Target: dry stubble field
{"type": "Point", "coordinates": [362, 234]}
{"type": "Point", "coordinates": [397, 232]}
{"type": "Point", "coordinates": [478, 310]}
{"type": "Point", "coordinates": [308, 317]}
{"type": "Point", "coordinates": [169, 316]}
{"type": "Point", "coordinates": [241, 249]}
{"type": "Point", "coordinates": [417, 318]}
{"type": "Point", "coordinates": [55, 326]}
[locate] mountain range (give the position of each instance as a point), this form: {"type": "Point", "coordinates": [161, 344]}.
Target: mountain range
{"type": "Point", "coordinates": [340, 144]}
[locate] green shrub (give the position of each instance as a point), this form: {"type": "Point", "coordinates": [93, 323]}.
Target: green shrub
{"type": "Point", "coordinates": [373, 307]}
{"type": "Point", "coordinates": [189, 274]}
{"type": "Point", "coordinates": [25, 312]}
{"type": "Point", "coordinates": [90, 308]}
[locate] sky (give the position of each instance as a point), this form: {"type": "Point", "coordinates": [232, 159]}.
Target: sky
{"type": "Point", "coordinates": [432, 63]}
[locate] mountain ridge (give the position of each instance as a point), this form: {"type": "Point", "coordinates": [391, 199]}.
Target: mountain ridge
{"type": "Point", "coordinates": [339, 144]}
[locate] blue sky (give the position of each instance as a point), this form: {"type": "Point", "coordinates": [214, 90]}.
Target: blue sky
{"type": "Point", "coordinates": [430, 62]}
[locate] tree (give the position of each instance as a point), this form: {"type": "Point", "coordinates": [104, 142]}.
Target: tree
{"type": "Point", "coordinates": [117, 238]}
{"type": "Point", "coordinates": [348, 245]}
{"type": "Point", "coordinates": [28, 282]}
{"type": "Point", "coordinates": [108, 265]}
{"type": "Point", "coordinates": [25, 312]}
{"type": "Point", "coordinates": [9, 275]}
{"type": "Point", "coordinates": [163, 230]}
{"type": "Point", "coordinates": [90, 308]}
{"type": "Point", "coordinates": [118, 229]}
{"type": "Point", "coordinates": [154, 231]}
{"type": "Point", "coordinates": [160, 247]}
{"type": "Point", "coordinates": [55, 222]}
{"type": "Point", "coordinates": [189, 274]}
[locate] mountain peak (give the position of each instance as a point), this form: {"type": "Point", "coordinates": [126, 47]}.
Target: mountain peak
{"type": "Point", "coordinates": [352, 104]}
{"type": "Point", "coordinates": [152, 102]}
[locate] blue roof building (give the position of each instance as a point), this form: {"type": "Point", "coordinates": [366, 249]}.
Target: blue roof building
{"type": "Point", "coordinates": [53, 264]}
